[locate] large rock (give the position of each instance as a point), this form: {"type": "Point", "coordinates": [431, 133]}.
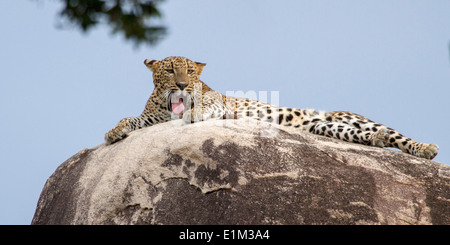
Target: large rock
{"type": "Point", "coordinates": [240, 172]}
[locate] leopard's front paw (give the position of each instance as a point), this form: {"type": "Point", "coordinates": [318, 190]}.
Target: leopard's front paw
{"type": "Point", "coordinates": [112, 136]}
{"type": "Point", "coordinates": [117, 133]}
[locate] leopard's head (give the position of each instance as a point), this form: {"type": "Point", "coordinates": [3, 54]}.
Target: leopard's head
{"type": "Point", "coordinates": [175, 78]}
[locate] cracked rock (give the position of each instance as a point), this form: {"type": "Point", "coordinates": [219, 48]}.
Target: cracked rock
{"type": "Point", "coordinates": [232, 172]}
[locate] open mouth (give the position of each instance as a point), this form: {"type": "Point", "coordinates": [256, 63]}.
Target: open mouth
{"type": "Point", "coordinates": [178, 103]}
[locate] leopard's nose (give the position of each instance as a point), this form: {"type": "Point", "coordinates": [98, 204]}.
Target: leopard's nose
{"type": "Point", "coordinates": [182, 85]}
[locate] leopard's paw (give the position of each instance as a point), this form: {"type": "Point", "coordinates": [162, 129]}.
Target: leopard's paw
{"type": "Point", "coordinates": [380, 138]}
{"type": "Point", "coordinates": [117, 133]}
{"type": "Point", "coordinates": [429, 151]}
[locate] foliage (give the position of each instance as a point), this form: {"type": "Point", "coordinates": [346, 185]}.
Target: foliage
{"type": "Point", "coordinates": [131, 18]}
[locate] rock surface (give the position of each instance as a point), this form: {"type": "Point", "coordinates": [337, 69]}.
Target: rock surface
{"type": "Point", "coordinates": [242, 172]}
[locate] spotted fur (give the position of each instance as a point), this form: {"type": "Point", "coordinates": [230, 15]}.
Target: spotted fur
{"type": "Point", "coordinates": [179, 94]}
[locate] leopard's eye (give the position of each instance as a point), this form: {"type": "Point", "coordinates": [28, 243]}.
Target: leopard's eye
{"type": "Point", "coordinates": [191, 71]}
{"type": "Point", "coordinates": [170, 71]}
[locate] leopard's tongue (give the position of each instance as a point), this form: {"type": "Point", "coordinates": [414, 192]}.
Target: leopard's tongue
{"type": "Point", "coordinates": [177, 107]}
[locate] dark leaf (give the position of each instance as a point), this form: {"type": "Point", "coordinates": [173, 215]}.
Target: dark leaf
{"type": "Point", "coordinates": [131, 18]}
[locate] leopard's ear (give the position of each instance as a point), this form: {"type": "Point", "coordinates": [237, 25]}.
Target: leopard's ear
{"type": "Point", "coordinates": [199, 67]}
{"type": "Point", "coordinates": [151, 64]}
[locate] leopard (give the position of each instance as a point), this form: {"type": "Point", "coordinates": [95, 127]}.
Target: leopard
{"type": "Point", "coordinates": [180, 94]}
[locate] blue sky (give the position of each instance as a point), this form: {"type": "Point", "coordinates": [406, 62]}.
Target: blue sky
{"type": "Point", "coordinates": [61, 90]}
